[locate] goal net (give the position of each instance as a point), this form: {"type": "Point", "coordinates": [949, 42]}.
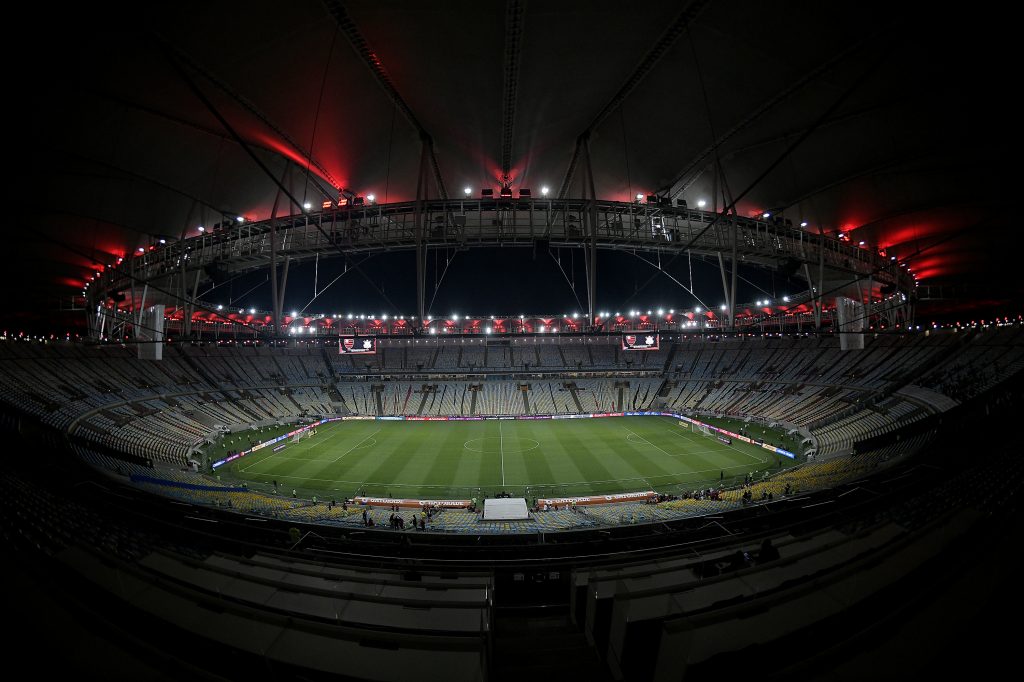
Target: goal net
{"type": "Point", "coordinates": [701, 429]}
{"type": "Point", "coordinates": [302, 434]}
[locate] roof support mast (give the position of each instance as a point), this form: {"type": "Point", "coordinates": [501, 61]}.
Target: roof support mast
{"type": "Point", "coordinates": [513, 46]}
{"type": "Point", "coordinates": [421, 247]}
{"type": "Point", "coordinates": [685, 17]}
{"type": "Point", "coordinates": [337, 10]}
{"type": "Point", "coordinates": [591, 248]}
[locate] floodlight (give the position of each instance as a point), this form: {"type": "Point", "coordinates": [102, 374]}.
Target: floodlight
{"type": "Point", "coordinates": [544, 190]}
{"type": "Point", "coordinates": [701, 203]}
{"type": "Point", "coordinates": [307, 205]}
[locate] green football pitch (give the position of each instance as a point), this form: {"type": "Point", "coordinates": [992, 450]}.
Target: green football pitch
{"type": "Point", "coordinates": [435, 460]}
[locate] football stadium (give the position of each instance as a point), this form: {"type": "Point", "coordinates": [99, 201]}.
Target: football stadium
{"type": "Point", "coordinates": [509, 340]}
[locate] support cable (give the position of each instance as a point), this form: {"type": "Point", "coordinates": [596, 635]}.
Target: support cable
{"type": "Point", "coordinates": [685, 17]}
{"type": "Point", "coordinates": [843, 97]}
{"type": "Point", "coordinates": [259, 162]}
{"type": "Point", "coordinates": [568, 281]}
{"type": "Point", "coordinates": [316, 116]}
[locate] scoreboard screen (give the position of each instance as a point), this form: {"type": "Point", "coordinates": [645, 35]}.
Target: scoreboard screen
{"type": "Point", "coordinates": [640, 341]}
{"type": "Point", "coordinates": [357, 344]}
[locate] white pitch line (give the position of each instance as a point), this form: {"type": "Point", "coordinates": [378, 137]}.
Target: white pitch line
{"type": "Point", "coordinates": [501, 449]}
{"type": "Point", "coordinates": [685, 434]}
{"type": "Point", "coordinates": [649, 442]}
{"type": "Point", "coordinates": [355, 446]}
{"type": "Point", "coordinates": [272, 453]}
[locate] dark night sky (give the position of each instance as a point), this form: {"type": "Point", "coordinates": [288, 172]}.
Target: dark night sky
{"type": "Point", "coordinates": [111, 146]}
{"type": "Point", "coordinates": [486, 282]}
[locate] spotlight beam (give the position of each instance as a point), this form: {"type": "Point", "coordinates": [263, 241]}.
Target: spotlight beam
{"type": "Point", "coordinates": [340, 14]}
{"type": "Point", "coordinates": [682, 21]}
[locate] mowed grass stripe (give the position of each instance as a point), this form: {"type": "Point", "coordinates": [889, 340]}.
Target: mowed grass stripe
{"type": "Point", "coordinates": [311, 449]}
{"type": "Point", "coordinates": [448, 468]}
{"type": "Point", "coordinates": [532, 466]}
{"type": "Point", "coordinates": [581, 446]}
{"type": "Point", "coordinates": [398, 451]}
{"type": "Point", "coordinates": [331, 449]}
{"type": "Point", "coordinates": [647, 458]}
{"type": "Point", "coordinates": [695, 455]}
{"type": "Point", "coordinates": [429, 459]}
{"type": "Point", "coordinates": [623, 467]}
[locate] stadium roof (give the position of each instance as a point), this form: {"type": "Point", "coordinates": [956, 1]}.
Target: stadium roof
{"type": "Point", "coordinates": [885, 124]}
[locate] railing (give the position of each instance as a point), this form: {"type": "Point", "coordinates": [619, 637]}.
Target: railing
{"type": "Point", "coordinates": [505, 222]}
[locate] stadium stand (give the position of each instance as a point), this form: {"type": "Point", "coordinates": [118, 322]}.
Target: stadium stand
{"type": "Point", "coordinates": [164, 413]}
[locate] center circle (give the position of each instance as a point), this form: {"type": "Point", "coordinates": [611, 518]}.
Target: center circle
{"type": "Point", "coordinates": [495, 445]}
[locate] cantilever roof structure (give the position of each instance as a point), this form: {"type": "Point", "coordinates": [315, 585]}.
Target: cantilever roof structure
{"type": "Point", "coordinates": [142, 124]}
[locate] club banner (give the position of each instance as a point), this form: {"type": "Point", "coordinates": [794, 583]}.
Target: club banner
{"type": "Point", "coordinates": [411, 504]}
{"type": "Point", "coordinates": [647, 495]}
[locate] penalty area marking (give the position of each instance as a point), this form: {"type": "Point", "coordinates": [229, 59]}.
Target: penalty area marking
{"type": "Point", "coordinates": [357, 446]}
{"type": "Point", "coordinates": [639, 440]}
{"type": "Point", "coordinates": [644, 440]}
{"type": "Point", "coordinates": [687, 433]}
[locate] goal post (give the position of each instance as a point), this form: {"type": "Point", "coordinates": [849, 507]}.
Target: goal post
{"type": "Point", "coordinates": [701, 429]}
